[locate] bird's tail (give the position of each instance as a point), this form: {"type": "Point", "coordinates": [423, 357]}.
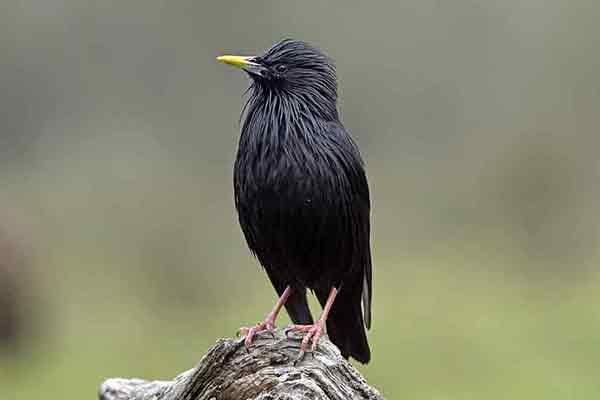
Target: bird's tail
{"type": "Point", "coordinates": [345, 323]}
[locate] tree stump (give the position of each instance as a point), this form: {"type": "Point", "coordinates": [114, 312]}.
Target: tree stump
{"type": "Point", "coordinates": [267, 370]}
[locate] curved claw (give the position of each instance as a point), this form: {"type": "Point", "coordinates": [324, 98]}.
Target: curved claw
{"type": "Point", "coordinates": [299, 359]}
{"type": "Point", "coordinates": [271, 332]}
{"type": "Point", "coordinates": [301, 355]}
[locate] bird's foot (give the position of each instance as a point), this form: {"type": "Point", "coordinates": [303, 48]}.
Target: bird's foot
{"type": "Point", "coordinates": [267, 325]}
{"type": "Point", "coordinates": [313, 333]}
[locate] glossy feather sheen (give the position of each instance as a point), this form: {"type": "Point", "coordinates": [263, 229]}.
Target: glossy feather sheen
{"type": "Point", "coordinates": [301, 192]}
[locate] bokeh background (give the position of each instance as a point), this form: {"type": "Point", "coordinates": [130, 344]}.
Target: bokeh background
{"type": "Point", "coordinates": [120, 253]}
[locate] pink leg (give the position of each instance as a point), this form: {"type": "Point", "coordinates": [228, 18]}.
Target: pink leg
{"type": "Point", "coordinates": [314, 332]}
{"type": "Point", "coordinates": [268, 324]}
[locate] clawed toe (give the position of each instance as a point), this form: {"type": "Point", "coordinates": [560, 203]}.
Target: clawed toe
{"type": "Point", "coordinates": [313, 333]}
{"type": "Point", "coordinates": [301, 355]}
{"type": "Point", "coordinates": [250, 332]}
{"type": "Point", "coordinates": [299, 359]}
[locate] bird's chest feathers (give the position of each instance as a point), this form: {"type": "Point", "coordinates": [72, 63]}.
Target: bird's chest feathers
{"type": "Point", "coordinates": [285, 159]}
{"type": "Point", "coordinates": [287, 163]}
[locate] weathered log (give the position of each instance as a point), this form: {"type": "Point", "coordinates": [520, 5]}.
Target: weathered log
{"type": "Point", "coordinates": [268, 370]}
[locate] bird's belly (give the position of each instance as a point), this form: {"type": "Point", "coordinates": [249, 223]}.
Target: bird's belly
{"type": "Point", "coordinates": [295, 230]}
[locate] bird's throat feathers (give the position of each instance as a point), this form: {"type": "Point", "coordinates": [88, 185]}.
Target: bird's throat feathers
{"type": "Point", "coordinates": [276, 114]}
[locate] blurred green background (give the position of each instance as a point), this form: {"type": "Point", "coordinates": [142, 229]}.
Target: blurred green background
{"type": "Point", "coordinates": [120, 253]}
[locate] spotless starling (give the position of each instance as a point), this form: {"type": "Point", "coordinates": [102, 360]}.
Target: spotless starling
{"type": "Point", "coordinates": [302, 197]}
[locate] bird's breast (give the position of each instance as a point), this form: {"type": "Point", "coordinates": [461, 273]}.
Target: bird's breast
{"type": "Point", "coordinates": [294, 175]}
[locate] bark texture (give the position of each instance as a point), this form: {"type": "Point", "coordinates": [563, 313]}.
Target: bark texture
{"type": "Point", "coordinates": [268, 370]}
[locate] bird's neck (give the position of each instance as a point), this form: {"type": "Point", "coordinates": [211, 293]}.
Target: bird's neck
{"type": "Point", "coordinates": [316, 101]}
{"type": "Point", "coordinates": [281, 116]}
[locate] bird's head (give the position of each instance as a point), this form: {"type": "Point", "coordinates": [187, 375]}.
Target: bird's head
{"type": "Point", "coordinates": [293, 69]}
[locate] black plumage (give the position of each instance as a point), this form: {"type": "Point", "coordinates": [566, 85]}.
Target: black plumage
{"type": "Point", "coordinates": [301, 192]}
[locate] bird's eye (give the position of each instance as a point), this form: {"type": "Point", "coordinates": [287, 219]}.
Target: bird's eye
{"type": "Point", "coordinates": [280, 68]}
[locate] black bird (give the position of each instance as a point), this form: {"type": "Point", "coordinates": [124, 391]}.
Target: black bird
{"type": "Point", "coordinates": [302, 196]}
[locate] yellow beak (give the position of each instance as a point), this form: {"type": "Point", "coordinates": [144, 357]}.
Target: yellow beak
{"type": "Point", "coordinates": [246, 63]}
{"type": "Point", "coordinates": [236, 61]}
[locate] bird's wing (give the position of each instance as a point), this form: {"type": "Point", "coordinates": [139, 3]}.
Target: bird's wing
{"type": "Point", "coordinates": [360, 205]}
